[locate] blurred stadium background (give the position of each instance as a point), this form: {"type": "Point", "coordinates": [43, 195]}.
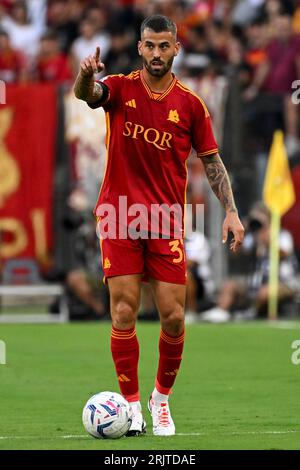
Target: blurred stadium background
{"type": "Point", "coordinates": [52, 146]}
{"type": "Point", "coordinates": [242, 57]}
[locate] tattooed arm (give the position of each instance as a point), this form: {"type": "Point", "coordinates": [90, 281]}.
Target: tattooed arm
{"type": "Point", "coordinates": [219, 181]}
{"type": "Point", "coordinates": [85, 87]}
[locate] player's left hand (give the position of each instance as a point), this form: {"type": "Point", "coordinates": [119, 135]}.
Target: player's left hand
{"type": "Point", "coordinates": [233, 224]}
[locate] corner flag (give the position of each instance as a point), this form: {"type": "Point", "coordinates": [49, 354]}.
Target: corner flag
{"type": "Point", "coordinates": [279, 197]}
{"type": "Point", "coordinates": [278, 191]}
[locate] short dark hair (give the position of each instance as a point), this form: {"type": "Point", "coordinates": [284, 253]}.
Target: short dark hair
{"type": "Point", "coordinates": [158, 24]}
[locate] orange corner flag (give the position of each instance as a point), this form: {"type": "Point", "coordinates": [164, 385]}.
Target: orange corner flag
{"type": "Point", "coordinates": [278, 191]}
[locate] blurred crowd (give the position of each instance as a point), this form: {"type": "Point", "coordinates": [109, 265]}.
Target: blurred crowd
{"type": "Point", "coordinates": [241, 56]}
{"type": "Point", "coordinates": [46, 39]}
{"type": "Point", "coordinates": [246, 51]}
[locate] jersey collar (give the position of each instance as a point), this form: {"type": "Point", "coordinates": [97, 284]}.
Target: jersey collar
{"type": "Point", "coordinates": [161, 95]}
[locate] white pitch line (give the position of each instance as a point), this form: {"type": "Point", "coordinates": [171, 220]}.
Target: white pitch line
{"type": "Point", "coordinates": [285, 325]}
{"type": "Point", "coordinates": [237, 433]}
{"type": "Point", "coordinates": [85, 436]}
{"type": "Point", "coordinates": [266, 432]}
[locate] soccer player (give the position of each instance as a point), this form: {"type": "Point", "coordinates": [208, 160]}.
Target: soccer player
{"type": "Point", "coordinates": [153, 122]}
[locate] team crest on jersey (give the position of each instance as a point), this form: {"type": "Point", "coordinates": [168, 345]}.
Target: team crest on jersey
{"type": "Point", "coordinates": [131, 103]}
{"type": "Point", "coordinates": [173, 115]}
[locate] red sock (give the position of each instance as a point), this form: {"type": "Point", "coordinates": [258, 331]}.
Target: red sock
{"type": "Point", "coordinates": [170, 355]}
{"type": "Point", "coordinates": [125, 353]}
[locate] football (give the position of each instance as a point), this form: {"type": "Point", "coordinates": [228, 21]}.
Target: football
{"type": "Point", "coordinates": [107, 415]}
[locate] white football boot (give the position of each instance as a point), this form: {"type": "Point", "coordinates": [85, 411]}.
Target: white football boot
{"type": "Point", "coordinates": [163, 424]}
{"type": "Point", "coordinates": [138, 424]}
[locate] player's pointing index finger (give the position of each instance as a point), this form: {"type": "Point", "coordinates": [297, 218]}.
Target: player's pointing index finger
{"type": "Point", "coordinates": [97, 53]}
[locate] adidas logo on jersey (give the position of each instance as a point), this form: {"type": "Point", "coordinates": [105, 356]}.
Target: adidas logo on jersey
{"type": "Point", "coordinates": [131, 103]}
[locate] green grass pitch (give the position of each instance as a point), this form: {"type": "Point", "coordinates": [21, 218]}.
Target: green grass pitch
{"type": "Point", "coordinates": [237, 388]}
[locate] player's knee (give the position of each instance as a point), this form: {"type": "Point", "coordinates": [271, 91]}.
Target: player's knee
{"type": "Point", "coordinates": [173, 321]}
{"type": "Point", "coordinates": [124, 314]}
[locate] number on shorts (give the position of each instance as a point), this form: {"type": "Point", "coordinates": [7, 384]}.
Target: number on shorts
{"type": "Point", "coordinates": [175, 248]}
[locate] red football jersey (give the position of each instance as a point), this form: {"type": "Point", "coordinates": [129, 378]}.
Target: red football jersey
{"type": "Point", "coordinates": [149, 138]}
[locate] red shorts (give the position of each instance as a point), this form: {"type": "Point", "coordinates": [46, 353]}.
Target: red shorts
{"type": "Point", "coordinates": [162, 259]}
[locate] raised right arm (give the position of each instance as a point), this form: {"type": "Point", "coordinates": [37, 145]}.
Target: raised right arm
{"type": "Point", "coordinates": [85, 87]}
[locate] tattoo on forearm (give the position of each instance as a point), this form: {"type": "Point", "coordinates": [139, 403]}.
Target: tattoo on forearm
{"type": "Point", "coordinates": [219, 181]}
{"type": "Point", "coordinates": [86, 89]}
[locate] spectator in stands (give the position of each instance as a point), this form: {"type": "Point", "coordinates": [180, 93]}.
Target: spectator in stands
{"type": "Point", "coordinates": [271, 9]}
{"type": "Point", "coordinates": [24, 35]}
{"type": "Point", "coordinates": [222, 13]}
{"type": "Point", "coordinates": [245, 11]}
{"type": "Point", "coordinates": [217, 36]}
{"type": "Point", "coordinates": [12, 62]}
{"type": "Point", "coordinates": [87, 42]}
{"type": "Point", "coordinates": [235, 60]}
{"type": "Point", "coordinates": [121, 56]}
{"type": "Point", "coordinates": [255, 291]}
{"type": "Point", "coordinates": [84, 288]}
{"type": "Point", "coordinates": [37, 11]}
{"type": "Point", "coordinates": [87, 296]}
{"type": "Point", "coordinates": [98, 16]}
{"type": "Point", "coordinates": [275, 76]}
{"type": "Point", "coordinates": [60, 21]}
{"type": "Point", "coordinates": [197, 45]}
{"type": "Point", "coordinates": [52, 65]}
{"type": "Point", "coordinates": [255, 52]}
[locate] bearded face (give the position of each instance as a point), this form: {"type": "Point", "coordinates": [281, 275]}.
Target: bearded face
{"type": "Point", "coordinates": [158, 51]}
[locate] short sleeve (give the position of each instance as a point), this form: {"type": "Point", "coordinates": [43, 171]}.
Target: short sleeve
{"type": "Point", "coordinates": [203, 140]}
{"type": "Point", "coordinates": [113, 84]}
